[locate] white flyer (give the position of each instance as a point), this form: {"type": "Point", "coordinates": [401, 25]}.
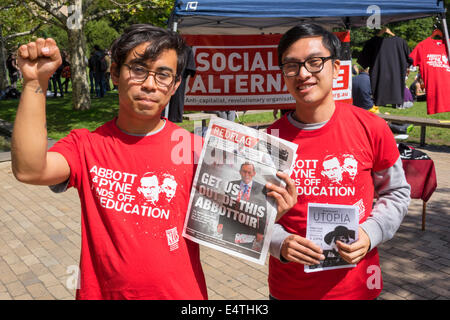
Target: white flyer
{"type": "Point", "coordinates": [327, 224]}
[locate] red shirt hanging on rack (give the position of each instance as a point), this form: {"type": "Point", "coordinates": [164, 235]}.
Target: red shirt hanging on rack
{"type": "Point", "coordinates": [431, 57]}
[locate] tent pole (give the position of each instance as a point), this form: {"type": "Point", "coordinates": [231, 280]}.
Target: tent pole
{"type": "Point", "coordinates": [172, 25]}
{"type": "Point", "coordinates": [444, 25]}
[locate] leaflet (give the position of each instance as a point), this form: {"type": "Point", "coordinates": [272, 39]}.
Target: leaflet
{"type": "Point", "coordinates": [326, 224]}
{"type": "Point", "coordinates": [229, 209]}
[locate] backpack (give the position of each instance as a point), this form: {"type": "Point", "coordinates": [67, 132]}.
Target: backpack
{"type": "Point", "coordinates": [409, 153]}
{"type": "Point", "coordinates": [103, 64]}
{"type": "Point", "coordinates": [65, 72]}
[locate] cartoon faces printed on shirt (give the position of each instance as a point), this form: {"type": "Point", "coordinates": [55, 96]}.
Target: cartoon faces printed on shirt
{"type": "Point", "coordinates": [333, 175]}
{"type": "Point", "coordinates": [154, 188]}
{"type": "Point", "coordinates": [339, 170]}
{"type": "Point", "coordinates": [149, 188]}
{"type": "Point", "coordinates": [139, 200]}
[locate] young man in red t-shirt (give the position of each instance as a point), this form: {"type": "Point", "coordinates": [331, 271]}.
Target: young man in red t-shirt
{"type": "Point", "coordinates": [133, 174]}
{"type": "Point", "coordinates": [345, 153]}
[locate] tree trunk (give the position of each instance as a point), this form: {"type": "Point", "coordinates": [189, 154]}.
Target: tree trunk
{"type": "Point", "coordinates": [3, 70]}
{"type": "Point", "coordinates": [78, 65]}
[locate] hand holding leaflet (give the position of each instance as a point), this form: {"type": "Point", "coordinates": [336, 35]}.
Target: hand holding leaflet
{"type": "Point", "coordinates": [334, 228]}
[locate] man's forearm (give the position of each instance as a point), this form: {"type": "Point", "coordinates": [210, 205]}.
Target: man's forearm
{"type": "Point", "coordinates": [278, 237]}
{"type": "Point", "coordinates": [29, 138]}
{"type": "Point", "coordinates": [392, 205]}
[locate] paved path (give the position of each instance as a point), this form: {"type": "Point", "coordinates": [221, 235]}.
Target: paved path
{"type": "Point", "coordinates": [40, 246]}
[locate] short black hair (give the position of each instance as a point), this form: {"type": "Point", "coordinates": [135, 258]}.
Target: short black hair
{"type": "Point", "coordinates": [161, 39]}
{"type": "Point", "coordinates": [308, 30]}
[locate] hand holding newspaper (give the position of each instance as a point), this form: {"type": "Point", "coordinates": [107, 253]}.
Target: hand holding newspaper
{"type": "Point", "coordinates": [229, 209]}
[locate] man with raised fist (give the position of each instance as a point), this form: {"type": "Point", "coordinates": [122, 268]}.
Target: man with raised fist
{"type": "Point", "coordinates": [130, 249]}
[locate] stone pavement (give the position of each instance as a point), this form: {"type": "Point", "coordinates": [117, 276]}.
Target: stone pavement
{"type": "Point", "coordinates": [40, 246]}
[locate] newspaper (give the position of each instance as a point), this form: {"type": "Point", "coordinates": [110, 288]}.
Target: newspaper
{"type": "Point", "coordinates": [326, 224]}
{"type": "Point", "coordinates": [229, 209]}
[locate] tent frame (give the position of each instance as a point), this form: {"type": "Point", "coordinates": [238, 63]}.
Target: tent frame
{"type": "Point", "coordinates": [173, 24]}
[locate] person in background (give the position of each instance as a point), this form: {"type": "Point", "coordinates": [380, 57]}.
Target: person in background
{"type": "Point", "coordinates": [361, 90]}
{"type": "Point", "coordinates": [91, 63]}
{"type": "Point", "coordinates": [417, 89]}
{"type": "Point", "coordinates": [99, 72]}
{"type": "Point", "coordinates": [13, 70]}
{"type": "Point", "coordinates": [408, 100]}
{"type": "Point", "coordinates": [227, 115]}
{"type": "Point", "coordinates": [65, 71]}
{"type": "Point", "coordinates": [56, 82]}
{"type": "Point", "coordinates": [107, 72]}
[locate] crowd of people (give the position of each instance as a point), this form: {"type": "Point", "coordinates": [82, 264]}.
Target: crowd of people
{"type": "Point", "coordinates": [99, 64]}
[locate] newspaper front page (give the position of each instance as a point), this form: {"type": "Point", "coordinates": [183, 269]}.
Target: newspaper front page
{"type": "Point", "coordinates": [326, 224]}
{"type": "Point", "coordinates": [229, 209]}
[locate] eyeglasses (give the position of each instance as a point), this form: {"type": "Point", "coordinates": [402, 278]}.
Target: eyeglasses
{"type": "Point", "coordinates": [139, 74]}
{"type": "Point", "coordinates": [312, 65]}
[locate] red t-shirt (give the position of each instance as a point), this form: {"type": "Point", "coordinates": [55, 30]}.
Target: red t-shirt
{"type": "Point", "coordinates": [431, 57]}
{"type": "Point", "coordinates": [134, 194]}
{"type": "Point", "coordinates": [362, 143]}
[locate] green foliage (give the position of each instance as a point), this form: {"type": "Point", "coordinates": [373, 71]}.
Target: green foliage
{"type": "Point", "coordinates": [447, 14]}
{"type": "Point", "coordinates": [61, 118]}
{"type": "Point", "coordinates": [157, 16]}
{"type": "Point", "coordinates": [413, 31]}
{"type": "Point", "coordinates": [14, 20]}
{"type": "Point", "coordinates": [104, 31]}
{"type": "Point", "coordinates": [55, 32]}
{"type": "Point", "coordinates": [99, 33]}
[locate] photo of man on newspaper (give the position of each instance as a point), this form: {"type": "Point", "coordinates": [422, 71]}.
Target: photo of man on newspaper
{"type": "Point", "coordinates": [246, 228]}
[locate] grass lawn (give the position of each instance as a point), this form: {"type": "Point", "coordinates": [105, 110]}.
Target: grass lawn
{"type": "Point", "coordinates": [435, 136]}
{"type": "Point", "coordinates": [61, 118]}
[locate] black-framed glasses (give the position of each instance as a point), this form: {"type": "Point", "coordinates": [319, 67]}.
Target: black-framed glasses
{"type": "Point", "coordinates": [312, 65]}
{"type": "Point", "coordinates": [139, 74]}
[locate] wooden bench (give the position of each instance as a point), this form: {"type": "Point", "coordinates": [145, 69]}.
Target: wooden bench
{"type": "Point", "coordinates": [207, 116]}
{"type": "Point", "coordinates": [422, 122]}
{"type": "Point", "coordinates": [199, 116]}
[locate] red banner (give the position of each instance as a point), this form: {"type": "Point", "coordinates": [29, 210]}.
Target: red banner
{"type": "Point", "coordinates": [240, 72]}
{"type": "Point", "coordinates": [233, 136]}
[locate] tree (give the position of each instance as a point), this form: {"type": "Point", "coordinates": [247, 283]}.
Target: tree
{"type": "Point", "coordinates": [15, 24]}
{"type": "Point", "coordinates": [72, 16]}
{"type": "Point", "coordinates": [99, 33]}
{"type": "Point", "coordinates": [413, 31]}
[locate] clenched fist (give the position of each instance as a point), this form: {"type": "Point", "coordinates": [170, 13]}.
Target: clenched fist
{"type": "Point", "coordinates": [39, 60]}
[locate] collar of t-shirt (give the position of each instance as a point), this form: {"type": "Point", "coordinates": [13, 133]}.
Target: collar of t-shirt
{"type": "Point", "coordinates": [145, 134]}
{"type": "Point", "coordinates": [305, 126]}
